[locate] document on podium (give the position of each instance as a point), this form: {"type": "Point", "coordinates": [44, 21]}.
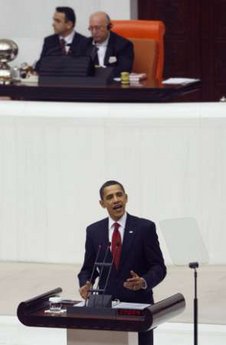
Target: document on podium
{"type": "Point", "coordinates": [126, 305]}
{"type": "Point", "coordinates": [120, 305]}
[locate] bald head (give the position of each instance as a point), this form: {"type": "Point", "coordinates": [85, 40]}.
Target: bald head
{"type": "Point", "coordinates": [102, 16]}
{"type": "Point", "coordinates": [99, 26]}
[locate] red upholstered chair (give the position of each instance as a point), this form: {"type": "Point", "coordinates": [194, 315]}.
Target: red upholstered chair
{"type": "Point", "coordinates": [145, 59]}
{"type": "Point", "coordinates": [146, 29]}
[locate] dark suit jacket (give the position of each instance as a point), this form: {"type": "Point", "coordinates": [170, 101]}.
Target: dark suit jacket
{"type": "Point", "coordinates": [119, 49]}
{"type": "Point", "coordinates": [51, 47]}
{"type": "Point", "coordinates": [140, 253]}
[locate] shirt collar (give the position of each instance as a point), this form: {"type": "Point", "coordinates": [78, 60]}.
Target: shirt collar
{"type": "Point", "coordinates": [102, 44]}
{"type": "Point", "coordinates": [69, 38]}
{"type": "Point", "coordinates": [121, 221]}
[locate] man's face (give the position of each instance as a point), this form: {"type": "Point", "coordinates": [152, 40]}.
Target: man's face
{"type": "Point", "coordinates": [60, 25]}
{"type": "Point", "coordinates": [98, 28]}
{"type": "Point", "coordinates": [114, 200]}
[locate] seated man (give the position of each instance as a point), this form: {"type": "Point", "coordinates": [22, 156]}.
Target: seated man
{"type": "Point", "coordinates": [107, 48]}
{"type": "Point", "coordinates": [65, 40]}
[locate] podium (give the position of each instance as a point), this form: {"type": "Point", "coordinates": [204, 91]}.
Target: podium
{"type": "Point", "coordinates": [77, 320]}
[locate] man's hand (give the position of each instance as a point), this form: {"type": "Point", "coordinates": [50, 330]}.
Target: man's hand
{"type": "Point", "coordinates": [135, 282]}
{"type": "Point", "coordinates": [84, 290]}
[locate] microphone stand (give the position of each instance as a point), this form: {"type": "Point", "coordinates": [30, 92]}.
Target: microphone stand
{"type": "Point", "coordinates": [97, 300]}
{"type": "Point", "coordinates": [195, 265]}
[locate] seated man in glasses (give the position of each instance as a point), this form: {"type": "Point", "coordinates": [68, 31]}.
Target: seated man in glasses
{"type": "Point", "coordinates": [108, 49]}
{"type": "Point", "coordinates": [65, 39]}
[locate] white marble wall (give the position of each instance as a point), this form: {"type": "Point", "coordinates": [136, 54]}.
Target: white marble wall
{"type": "Point", "coordinates": [28, 22]}
{"type": "Point", "coordinates": [54, 157]}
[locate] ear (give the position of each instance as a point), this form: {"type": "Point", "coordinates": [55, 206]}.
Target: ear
{"type": "Point", "coordinates": [102, 204]}
{"type": "Point", "coordinates": [109, 26]}
{"type": "Point", "coordinates": [69, 24]}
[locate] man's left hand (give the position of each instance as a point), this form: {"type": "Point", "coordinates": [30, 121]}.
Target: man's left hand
{"type": "Point", "coordinates": [135, 282]}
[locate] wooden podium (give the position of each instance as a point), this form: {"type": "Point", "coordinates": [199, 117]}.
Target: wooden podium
{"type": "Point", "coordinates": [84, 324]}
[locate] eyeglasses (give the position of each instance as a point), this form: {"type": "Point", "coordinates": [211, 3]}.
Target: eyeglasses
{"type": "Point", "coordinates": [97, 27]}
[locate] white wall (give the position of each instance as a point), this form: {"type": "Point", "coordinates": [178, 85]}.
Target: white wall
{"type": "Point", "coordinates": [27, 22]}
{"type": "Point", "coordinates": [54, 157]}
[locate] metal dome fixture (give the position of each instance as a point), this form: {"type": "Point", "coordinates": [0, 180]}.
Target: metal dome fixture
{"type": "Point", "coordinates": [8, 52]}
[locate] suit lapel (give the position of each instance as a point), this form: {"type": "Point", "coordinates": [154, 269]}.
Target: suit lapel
{"type": "Point", "coordinates": [110, 50]}
{"type": "Point", "coordinates": [130, 231]}
{"type": "Point", "coordinates": [56, 44]}
{"type": "Point", "coordinates": [104, 234]}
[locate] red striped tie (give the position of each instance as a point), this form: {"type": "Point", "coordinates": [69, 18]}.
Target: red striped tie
{"type": "Point", "coordinates": [116, 245]}
{"type": "Point", "coordinates": [63, 46]}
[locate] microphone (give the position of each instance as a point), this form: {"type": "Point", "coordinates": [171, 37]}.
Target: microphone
{"type": "Point", "coordinates": [102, 300]}
{"type": "Point", "coordinates": [117, 247]}
{"type": "Point", "coordinates": [93, 270]}
{"type": "Point", "coordinates": [95, 263]}
{"type": "Point", "coordinates": [104, 264]}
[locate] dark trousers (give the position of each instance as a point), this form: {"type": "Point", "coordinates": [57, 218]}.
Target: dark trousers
{"type": "Point", "coordinates": [145, 338]}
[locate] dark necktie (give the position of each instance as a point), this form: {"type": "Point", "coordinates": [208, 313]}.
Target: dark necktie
{"type": "Point", "coordinates": [94, 55]}
{"type": "Point", "coordinates": [116, 245]}
{"type": "Point", "coordinates": [63, 46]}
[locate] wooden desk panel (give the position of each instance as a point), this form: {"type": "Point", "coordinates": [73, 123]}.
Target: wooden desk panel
{"type": "Point", "coordinates": [145, 92]}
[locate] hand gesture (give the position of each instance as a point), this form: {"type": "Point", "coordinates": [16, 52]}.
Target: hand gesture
{"type": "Point", "coordinates": [135, 282]}
{"type": "Point", "coordinates": [85, 290]}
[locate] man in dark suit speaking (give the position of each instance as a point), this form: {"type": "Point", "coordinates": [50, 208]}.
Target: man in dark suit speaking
{"type": "Point", "coordinates": [65, 39]}
{"type": "Point", "coordinates": [107, 48]}
{"type": "Point", "coordinates": [134, 248]}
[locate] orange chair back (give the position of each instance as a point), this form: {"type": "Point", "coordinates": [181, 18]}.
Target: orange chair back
{"type": "Point", "coordinates": [153, 29]}
{"type": "Point", "coordinates": [145, 51]}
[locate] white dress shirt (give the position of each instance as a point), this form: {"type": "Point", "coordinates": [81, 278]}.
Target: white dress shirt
{"type": "Point", "coordinates": [68, 40]}
{"type": "Point", "coordinates": [121, 222]}
{"type": "Point", "coordinates": [102, 47]}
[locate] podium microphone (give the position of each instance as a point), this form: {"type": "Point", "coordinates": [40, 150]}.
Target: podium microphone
{"type": "Point", "coordinates": [95, 300]}
{"type": "Point", "coordinates": [95, 263]}
{"type": "Point", "coordinates": [102, 264]}
{"type": "Point", "coordinates": [110, 267]}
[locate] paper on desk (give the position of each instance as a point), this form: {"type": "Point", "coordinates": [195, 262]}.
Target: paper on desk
{"type": "Point", "coordinates": [120, 305]}
{"type": "Point", "coordinates": [32, 79]}
{"type": "Point", "coordinates": [176, 81]}
{"type": "Point", "coordinates": [80, 304]}
{"type": "Point", "coordinates": [125, 305]}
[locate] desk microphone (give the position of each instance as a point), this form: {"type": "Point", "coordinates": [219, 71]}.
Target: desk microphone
{"type": "Point", "coordinates": [95, 263]}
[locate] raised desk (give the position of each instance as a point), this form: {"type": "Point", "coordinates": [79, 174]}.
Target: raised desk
{"type": "Point", "coordinates": [147, 91]}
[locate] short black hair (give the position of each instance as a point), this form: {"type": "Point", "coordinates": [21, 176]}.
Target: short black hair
{"type": "Point", "coordinates": [69, 13]}
{"type": "Point", "coordinates": [107, 184]}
